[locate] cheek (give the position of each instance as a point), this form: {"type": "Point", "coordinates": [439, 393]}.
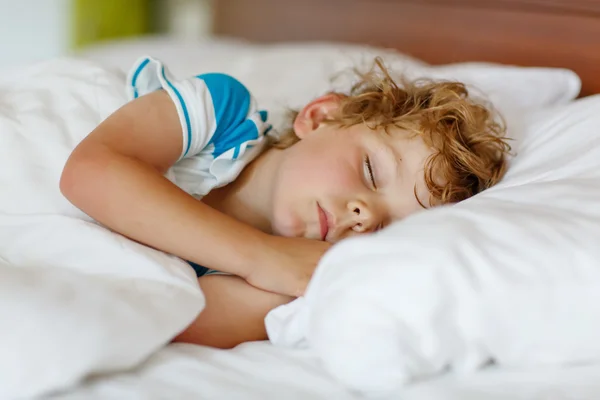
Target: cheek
{"type": "Point", "coordinates": [403, 201]}
{"type": "Point", "coordinates": [326, 171]}
{"type": "Point", "coordinates": [341, 175]}
{"type": "Point", "coordinates": [288, 198]}
{"type": "Point", "coordinates": [302, 182]}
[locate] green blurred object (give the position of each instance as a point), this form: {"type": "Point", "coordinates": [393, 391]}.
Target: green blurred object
{"type": "Point", "coordinates": [99, 20]}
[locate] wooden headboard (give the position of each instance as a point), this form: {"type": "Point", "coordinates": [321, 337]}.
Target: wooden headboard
{"type": "Point", "coordinates": [553, 33]}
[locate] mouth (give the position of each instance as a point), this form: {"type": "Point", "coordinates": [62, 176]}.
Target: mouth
{"type": "Point", "coordinates": [323, 222]}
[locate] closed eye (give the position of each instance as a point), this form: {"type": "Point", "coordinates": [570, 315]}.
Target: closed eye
{"type": "Point", "coordinates": [368, 170]}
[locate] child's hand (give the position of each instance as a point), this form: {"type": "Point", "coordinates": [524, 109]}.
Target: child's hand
{"type": "Point", "coordinates": [288, 267]}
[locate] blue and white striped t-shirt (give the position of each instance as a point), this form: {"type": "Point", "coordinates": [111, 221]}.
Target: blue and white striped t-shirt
{"type": "Point", "coordinates": [222, 129]}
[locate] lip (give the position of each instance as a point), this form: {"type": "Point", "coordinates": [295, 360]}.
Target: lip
{"type": "Point", "coordinates": [323, 222]}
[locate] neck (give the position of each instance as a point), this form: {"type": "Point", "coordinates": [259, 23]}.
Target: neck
{"type": "Point", "coordinates": [249, 198]}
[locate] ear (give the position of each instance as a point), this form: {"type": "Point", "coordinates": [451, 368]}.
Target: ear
{"type": "Point", "coordinates": [315, 112]}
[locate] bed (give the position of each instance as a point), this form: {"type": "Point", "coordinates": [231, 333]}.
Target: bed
{"type": "Point", "coordinates": [537, 33]}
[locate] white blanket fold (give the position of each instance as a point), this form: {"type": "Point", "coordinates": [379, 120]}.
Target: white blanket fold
{"type": "Point", "coordinates": [75, 298]}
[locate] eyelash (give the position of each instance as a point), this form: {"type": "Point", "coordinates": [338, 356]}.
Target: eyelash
{"type": "Point", "coordinates": [369, 170]}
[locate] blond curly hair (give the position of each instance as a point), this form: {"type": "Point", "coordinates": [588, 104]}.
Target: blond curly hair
{"type": "Point", "coordinates": [466, 135]}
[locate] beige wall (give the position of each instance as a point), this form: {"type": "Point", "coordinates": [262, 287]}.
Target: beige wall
{"type": "Point", "coordinates": [187, 18]}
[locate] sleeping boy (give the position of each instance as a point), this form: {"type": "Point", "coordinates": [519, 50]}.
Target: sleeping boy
{"type": "Point", "coordinates": [191, 168]}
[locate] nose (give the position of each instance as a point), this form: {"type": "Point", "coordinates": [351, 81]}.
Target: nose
{"type": "Point", "coordinates": [364, 218]}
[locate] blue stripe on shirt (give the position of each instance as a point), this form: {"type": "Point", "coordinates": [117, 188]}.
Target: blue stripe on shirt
{"type": "Point", "coordinates": [136, 75]}
{"type": "Point", "coordinates": [231, 102]}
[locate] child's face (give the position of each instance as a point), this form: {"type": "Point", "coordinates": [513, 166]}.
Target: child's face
{"type": "Point", "coordinates": [340, 182]}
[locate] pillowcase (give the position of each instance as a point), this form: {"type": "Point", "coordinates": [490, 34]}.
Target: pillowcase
{"type": "Point", "coordinates": [289, 75]}
{"type": "Point", "coordinates": [510, 276]}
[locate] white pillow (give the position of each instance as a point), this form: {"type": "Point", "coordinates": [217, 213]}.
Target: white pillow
{"type": "Point", "coordinates": [289, 75]}
{"type": "Point", "coordinates": [510, 276]}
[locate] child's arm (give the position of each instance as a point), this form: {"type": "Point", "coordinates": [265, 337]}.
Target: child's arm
{"type": "Point", "coordinates": [235, 313]}
{"type": "Point", "coordinates": [115, 175]}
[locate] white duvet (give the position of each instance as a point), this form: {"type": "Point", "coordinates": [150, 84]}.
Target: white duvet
{"type": "Point", "coordinates": [75, 298]}
{"type": "Point", "coordinates": [510, 276]}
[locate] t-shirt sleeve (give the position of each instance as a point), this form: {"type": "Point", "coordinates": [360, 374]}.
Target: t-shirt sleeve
{"type": "Point", "coordinates": [217, 113]}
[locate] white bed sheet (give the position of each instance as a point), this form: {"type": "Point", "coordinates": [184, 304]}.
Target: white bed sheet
{"type": "Point", "coordinates": [260, 371]}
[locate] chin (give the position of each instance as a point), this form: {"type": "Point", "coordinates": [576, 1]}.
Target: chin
{"type": "Point", "coordinates": [288, 228]}
{"type": "Point", "coordinates": [287, 232]}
